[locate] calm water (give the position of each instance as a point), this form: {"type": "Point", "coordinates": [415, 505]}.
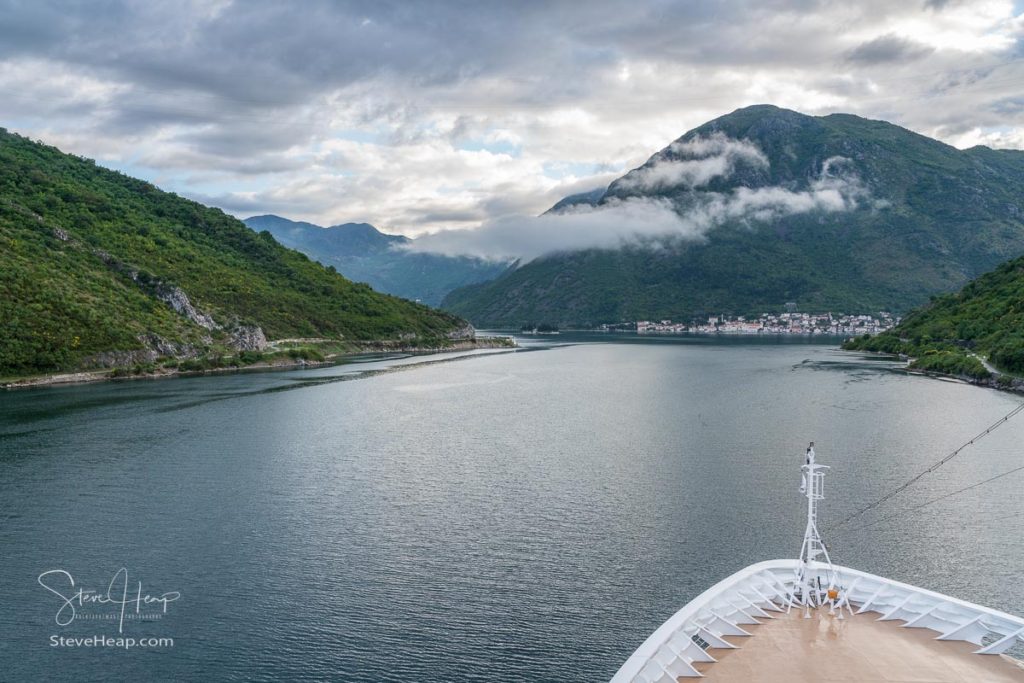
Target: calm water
{"type": "Point", "coordinates": [527, 516]}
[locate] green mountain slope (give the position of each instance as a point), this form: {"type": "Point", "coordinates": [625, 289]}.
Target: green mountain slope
{"type": "Point", "coordinates": [926, 219]}
{"type": "Point", "coordinates": [362, 253]}
{"type": "Point", "coordinates": [97, 268]}
{"type": "Point", "coordinates": [984, 319]}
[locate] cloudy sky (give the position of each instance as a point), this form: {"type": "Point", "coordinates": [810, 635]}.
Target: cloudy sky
{"type": "Point", "coordinates": [423, 116]}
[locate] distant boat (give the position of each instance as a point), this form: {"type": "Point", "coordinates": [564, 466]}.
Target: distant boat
{"type": "Point", "coordinates": [809, 620]}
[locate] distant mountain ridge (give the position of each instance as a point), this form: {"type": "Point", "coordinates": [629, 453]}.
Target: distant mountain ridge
{"type": "Point", "coordinates": [362, 253]}
{"type": "Point", "coordinates": [833, 213]}
{"type": "Point", "coordinates": [352, 239]}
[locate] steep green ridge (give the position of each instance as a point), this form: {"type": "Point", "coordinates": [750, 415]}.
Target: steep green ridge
{"type": "Point", "coordinates": [985, 318]}
{"type": "Point", "coordinates": [97, 268]}
{"type": "Point", "coordinates": [931, 218]}
{"type": "Point", "coordinates": [362, 253]}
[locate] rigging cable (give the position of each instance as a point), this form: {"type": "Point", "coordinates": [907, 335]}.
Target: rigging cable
{"type": "Point", "coordinates": [902, 487]}
{"type": "Point", "coordinates": [942, 497]}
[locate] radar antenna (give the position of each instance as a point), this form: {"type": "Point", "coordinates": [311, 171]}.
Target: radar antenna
{"type": "Point", "coordinates": [807, 590]}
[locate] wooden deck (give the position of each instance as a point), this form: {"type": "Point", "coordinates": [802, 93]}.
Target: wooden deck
{"type": "Point", "coordinates": [823, 649]}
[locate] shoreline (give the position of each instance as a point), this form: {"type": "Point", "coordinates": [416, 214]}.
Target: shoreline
{"type": "Point", "coordinates": [998, 380]}
{"type": "Point", "coordinates": [285, 363]}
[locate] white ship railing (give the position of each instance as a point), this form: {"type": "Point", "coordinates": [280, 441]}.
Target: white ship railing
{"type": "Point", "coordinates": [759, 590]}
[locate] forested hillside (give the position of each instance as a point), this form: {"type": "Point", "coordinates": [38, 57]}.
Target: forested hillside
{"type": "Point", "coordinates": [984, 320]}
{"type": "Point", "coordinates": [97, 268]}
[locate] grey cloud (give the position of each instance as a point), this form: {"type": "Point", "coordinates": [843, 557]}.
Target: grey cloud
{"type": "Point", "coordinates": [506, 200]}
{"type": "Point", "coordinates": [453, 216]}
{"type": "Point", "coordinates": [235, 89]}
{"type": "Point", "coordinates": [264, 55]}
{"type": "Point", "coordinates": [256, 165]}
{"type": "Point", "coordinates": [238, 140]}
{"type": "Point", "coordinates": [588, 184]}
{"type": "Point", "coordinates": [270, 53]}
{"type": "Point", "coordinates": [889, 48]}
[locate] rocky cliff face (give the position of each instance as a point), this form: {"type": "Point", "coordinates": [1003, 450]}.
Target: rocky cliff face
{"type": "Point", "coordinates": [154, 348]}
{"type": "Point", "coordinates": [465, 332]}
{"type": "Point", "coordinates": [238, 336]}
{"type": "Point", "coordinates": [176, 298]}
{"type": "Point", "coordinates": [248, 338]}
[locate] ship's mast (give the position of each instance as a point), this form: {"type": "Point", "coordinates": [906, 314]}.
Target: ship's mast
{"type": "Point", "coordinates": [807, 590]}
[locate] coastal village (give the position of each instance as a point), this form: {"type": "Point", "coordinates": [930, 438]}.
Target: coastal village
{"type": "Point", "coordinates": [825, 324]}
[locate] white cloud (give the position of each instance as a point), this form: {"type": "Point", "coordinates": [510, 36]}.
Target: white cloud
{"type": "Point", "coordinates": [833, 190]}
{"type": "Point", "coordinates": [527, 237]}
{"type": "Point", "coordinates": [693, 163]}
{"type": "Point", "coordinates": [644, 219]}
{"type": "Point", "coordinates": [1012, 138]}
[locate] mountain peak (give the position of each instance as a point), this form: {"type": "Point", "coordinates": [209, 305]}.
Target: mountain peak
{"type": "Point", "coordinates": [760, 110]}
{"type": "Point", "coordinates": [835, 212]}
{"type": "Point", "coordinates": [757, 121]}
{"type": "Point", "coordinates": [353, 239]}
{"type": "Point", "coordinates": [360, 231]}
{"type": "Point", "coordinates": [361, 237]}
{"type": "Point", "coordinates": [358, 228]}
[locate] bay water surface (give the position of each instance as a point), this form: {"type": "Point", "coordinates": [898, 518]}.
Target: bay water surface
{"type": "Point", "coordinates": [517, 516]}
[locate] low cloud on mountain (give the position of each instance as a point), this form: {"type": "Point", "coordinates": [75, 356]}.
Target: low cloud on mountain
{"type": "Point", "coordinates": [620, 222]}
{"type": "Point", "coordinates": [693, 163]}
{"type": "Point", "coordinates": [527, 237]}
